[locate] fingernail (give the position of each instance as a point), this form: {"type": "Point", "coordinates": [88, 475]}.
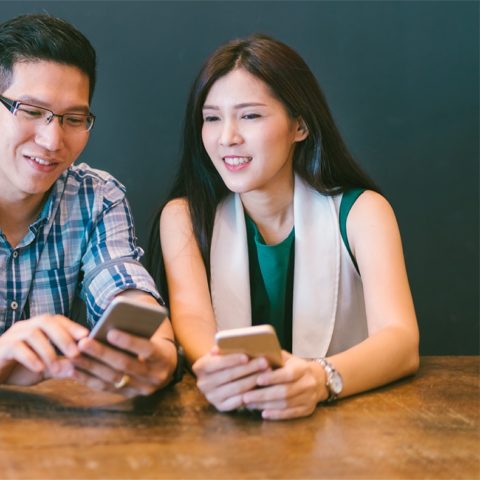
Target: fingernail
{"type": "Point", "coordinates": [81, 332]}
{"type": "Point", "coordinates": [262, 363]}
{"type": "Point", "coordinates": [37, 366]}
{"type": "Point", "coordinates": [112, 336]}
{"type": "Point", "coordinates": [55, 367]}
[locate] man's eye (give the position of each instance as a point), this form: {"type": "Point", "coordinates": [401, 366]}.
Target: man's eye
{"type": "Point", "coordinates": [30, 112]}
{"type": "Point", "coordinates": [74, 120]}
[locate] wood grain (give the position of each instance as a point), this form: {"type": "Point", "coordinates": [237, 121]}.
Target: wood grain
{"type": "Point", "coordinates": [422, 427]}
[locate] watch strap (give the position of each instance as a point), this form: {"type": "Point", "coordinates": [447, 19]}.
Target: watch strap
{"type": "Point", "coordinates": [180, 368]}
{"type": "Point", "coordinates": [330, 372]}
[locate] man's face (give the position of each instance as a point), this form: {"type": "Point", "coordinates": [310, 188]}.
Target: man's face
{"type": "Point", "coordinates": [33, 156]}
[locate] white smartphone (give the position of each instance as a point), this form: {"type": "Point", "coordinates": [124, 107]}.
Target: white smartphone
{"type": "Point", "coordinates": [131, 316]}
{"type": "Point", "coordinates": [256, 341]}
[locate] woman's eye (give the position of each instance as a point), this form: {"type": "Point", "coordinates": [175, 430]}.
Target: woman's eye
{"type": "Point", "coordinates": [251, 116]}
{"type": "Point", "coordinates": [210, 118]}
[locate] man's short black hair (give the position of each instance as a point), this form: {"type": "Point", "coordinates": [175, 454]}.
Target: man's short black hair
{"type": "Point", "coordinates": [43, 37]}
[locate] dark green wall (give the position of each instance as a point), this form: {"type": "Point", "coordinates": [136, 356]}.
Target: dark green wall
{"type": "Point", "coordinates": [402, 82]}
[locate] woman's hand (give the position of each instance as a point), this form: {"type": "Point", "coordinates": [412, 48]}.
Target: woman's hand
{"type": "Point", "coordinates": [291, 391]}
{"type": "Point", "coordinates": [224, 379]}
{"type": "Point", "coordinates": [140, 368]}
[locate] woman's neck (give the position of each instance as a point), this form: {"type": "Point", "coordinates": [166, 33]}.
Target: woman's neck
{"type": "Point", "coordinates": [272, 212]}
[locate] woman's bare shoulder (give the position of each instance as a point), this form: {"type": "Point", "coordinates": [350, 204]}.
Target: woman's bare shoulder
{"type": "Point", "coordinates": [175, 211]}
{"type": "Point", "coordinates": [176, 206]}
{"type": "Point", "coordinates": [175, 219]}
{"type": "Point", "coordinates": [369, 209]}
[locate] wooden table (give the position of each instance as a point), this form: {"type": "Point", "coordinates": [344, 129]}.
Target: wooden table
{"type": "Point", "coordinates": [421, 427]}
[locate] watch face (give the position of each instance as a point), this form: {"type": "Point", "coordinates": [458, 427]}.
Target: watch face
{"type": "Point", "coordinates": [336, 383]}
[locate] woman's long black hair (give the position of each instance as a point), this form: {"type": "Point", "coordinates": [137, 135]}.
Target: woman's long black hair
{"type": "Point", "coordinates": [322, 159]}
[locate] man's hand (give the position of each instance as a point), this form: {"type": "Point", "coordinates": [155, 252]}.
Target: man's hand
{"type": "Point", "coordinates": [136, 366]}
{"type": "Point", "coordinates": [27, 349]}
{"type": "Point", "coordinates": [147, 364]}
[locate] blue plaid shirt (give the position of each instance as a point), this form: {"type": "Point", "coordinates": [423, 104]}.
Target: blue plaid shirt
{"type": "Point", "coordinates": [83, 244]}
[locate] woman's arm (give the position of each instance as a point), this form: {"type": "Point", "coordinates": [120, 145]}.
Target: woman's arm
{"type": "Point", "coordinates": [189, 298]}
{"type": "Point", "coordinates": [391, 349]}
{"type": "Point", "coordinates": [223, 379]}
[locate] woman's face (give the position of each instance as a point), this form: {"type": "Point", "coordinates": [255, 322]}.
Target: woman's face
{"type": "Point", "coordinates": [248, 133]}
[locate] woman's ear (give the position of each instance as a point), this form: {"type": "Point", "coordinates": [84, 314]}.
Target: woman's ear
{"type": "Point", "coordinates": [302, 130]}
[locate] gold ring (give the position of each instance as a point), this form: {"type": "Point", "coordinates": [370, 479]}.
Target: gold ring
{"type": "Point", "coordinates": [123, 382]}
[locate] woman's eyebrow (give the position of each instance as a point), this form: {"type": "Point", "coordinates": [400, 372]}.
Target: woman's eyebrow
{"type": "Point", "coordinates": [237, 106]}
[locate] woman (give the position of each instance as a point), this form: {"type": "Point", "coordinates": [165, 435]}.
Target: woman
{"type": "Point", "coordinates": [271, 221]}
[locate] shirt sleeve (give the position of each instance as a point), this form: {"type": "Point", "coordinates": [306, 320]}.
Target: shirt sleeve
{"type": "Point", "coordinates": [111, 263]}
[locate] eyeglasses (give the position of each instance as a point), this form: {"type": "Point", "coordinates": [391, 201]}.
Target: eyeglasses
{"type": "Point", "coordinates": [31, 114]}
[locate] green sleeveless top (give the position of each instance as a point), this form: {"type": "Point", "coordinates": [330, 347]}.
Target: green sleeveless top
{"type": "Point", "coordinates": [271, 273]}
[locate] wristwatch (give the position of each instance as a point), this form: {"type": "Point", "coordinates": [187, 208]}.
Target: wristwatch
{"type": "Point", "coordinates": [334, 379]}
{"type": "Point", "coordinates": [180, 368]}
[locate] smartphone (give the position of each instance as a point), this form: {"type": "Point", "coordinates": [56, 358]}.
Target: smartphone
{"type": "Point", "coordinates": [257, 341]}
{"type": "Point", "coordinates": [131, 316]}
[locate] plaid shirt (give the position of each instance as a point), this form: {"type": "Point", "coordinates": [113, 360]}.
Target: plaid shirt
{"type": "Point", "coordinates": [83, 244]}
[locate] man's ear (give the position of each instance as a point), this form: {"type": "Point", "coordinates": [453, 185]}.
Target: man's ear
{"type": "Point", "coordinates": [302, 130]}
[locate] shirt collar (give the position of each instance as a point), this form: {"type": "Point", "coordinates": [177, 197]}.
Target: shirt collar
{"type": "Point", "coordinates": [50, 206]}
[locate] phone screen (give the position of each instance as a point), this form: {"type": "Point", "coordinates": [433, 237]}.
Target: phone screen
{"type": "Point", "coordinates": [137, 318]}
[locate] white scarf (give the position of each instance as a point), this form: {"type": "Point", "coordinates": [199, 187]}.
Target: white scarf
{"type": "Point", "coordinates": [316, 273]}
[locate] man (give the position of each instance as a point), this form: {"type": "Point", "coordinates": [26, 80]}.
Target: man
{"type": "Point", "coordinates": [65, 231]}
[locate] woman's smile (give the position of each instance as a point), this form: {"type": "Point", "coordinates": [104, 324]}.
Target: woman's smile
{"type": "Point", "coordinates": [235, 163]}
{"type": "Point", "coordinates": [247, 130]}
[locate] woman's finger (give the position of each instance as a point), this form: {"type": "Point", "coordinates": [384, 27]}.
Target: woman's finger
{"type": "Point", "coordinates": [209, 381]}
{"type": "Point", "coordinates": [285, 414]}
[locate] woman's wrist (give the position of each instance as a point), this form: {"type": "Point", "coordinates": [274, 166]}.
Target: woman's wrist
{"type": "Point", "coordinates": [320, 376]}
{"type": "Point", "coordinates": [333, 379]}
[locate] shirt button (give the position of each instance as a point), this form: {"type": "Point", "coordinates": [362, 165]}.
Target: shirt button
{"type": "Point", "coordinates": [15, 254]}
{"type": "Point", "coordinates": [14, 305]}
